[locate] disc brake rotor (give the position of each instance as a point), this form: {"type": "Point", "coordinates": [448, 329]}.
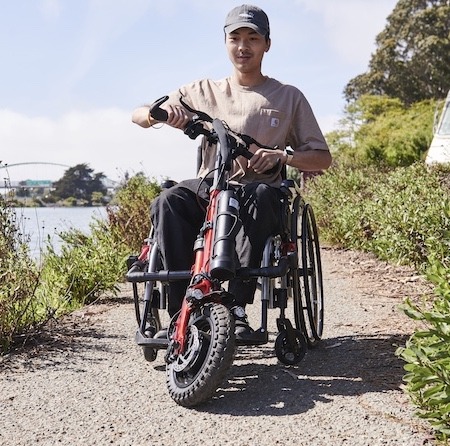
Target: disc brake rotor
{"type": "Point", "coordinates": [185, 360]}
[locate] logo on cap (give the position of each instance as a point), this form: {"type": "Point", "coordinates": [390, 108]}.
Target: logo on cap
{"type": "Point", "coordinates": [247, 16]}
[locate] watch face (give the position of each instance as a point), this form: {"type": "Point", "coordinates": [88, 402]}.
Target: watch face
{"type": "Point", "coordinates": [239, 312]}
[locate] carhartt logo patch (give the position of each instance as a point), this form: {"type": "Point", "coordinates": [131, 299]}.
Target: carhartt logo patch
{"type": "Point", "coordinates": [274, 122]}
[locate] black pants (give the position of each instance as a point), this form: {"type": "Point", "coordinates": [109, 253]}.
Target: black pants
{"type": "Point", "coordinates": [178, 213]}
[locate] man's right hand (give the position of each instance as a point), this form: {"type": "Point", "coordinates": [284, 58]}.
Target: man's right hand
{"type": "Point", "coordinates": [177, 117]}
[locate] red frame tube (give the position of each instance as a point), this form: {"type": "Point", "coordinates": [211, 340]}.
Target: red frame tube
{"type": "Point", "coordinates": [201, 265]}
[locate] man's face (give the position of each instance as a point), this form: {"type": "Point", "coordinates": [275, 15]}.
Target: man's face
{"type": "Point", "coordinates": [246, 49]}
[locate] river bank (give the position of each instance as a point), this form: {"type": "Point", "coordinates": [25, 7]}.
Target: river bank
{"type": "Point", "coordinates": [42, 224]}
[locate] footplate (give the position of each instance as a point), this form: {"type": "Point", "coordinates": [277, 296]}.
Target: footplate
{"type": "Point", "coordinates": [258, 337]}
{"type": "Point", "coordinates": [156, 343]}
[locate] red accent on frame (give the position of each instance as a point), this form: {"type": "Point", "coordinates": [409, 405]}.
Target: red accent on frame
{"type": "Point", "coordinates": [143, 256]}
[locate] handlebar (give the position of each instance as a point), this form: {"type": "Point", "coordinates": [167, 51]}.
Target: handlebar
{"type": "Point", "coordinates": [220, 132]}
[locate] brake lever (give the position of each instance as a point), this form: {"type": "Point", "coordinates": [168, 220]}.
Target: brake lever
{"type": "Point", "coordinates": [201, 116]}
{"type": "Point", "coordinates": [241, 150]}
{"type": "Point", "coordinates": [195, 128]}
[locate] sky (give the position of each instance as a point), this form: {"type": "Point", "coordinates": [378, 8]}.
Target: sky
{"type": "Point", "coordinates": [72, 72]}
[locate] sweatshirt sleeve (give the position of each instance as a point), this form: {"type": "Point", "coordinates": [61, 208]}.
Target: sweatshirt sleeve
{"type": "Point", "coordinates": [305, 133]}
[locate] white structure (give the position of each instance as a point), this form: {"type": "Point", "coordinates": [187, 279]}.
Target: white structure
{"type": "Point", "coordinates": [439, 151]}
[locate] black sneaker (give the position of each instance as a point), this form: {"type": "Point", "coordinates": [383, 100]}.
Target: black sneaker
{"type": "Point", "coordinates": [242, 329]}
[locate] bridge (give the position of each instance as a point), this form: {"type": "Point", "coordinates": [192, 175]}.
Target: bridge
{"type": "Point", "coordinates": [6, 166]}
{"type": "Point", "coordinates": [41, 183]}
{"type": "Point", "coordinates": [28, 183]}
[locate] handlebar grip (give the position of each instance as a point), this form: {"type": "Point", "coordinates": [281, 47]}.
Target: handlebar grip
{"type": "Point", "coordinates": [158, 113]}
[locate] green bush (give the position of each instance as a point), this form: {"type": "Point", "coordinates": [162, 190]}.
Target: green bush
{"type": "Point", "coordinates": [87, 266]}
{"type": "Point", "coordinates": [381, 131]}
{"type": "Point", "coordinates": [90, 265]}
{"type": "Point", "coordinates": [403, 216]}
{"type": "Point", "coordinates": [129, 214]}
{"type": "Point", "coordinates": [19, 278]}
{"type": "Point", "coordinates": [427, 353]}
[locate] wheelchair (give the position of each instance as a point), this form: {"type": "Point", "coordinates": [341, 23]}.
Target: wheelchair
{"type": "Point", "coordinates": [289, 279]}
{"type": "Point", "coordinates": [290, 276]}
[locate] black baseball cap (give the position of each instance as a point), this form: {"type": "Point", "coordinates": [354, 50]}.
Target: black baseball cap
{"type": "Point", "coordinates": [247, 16]}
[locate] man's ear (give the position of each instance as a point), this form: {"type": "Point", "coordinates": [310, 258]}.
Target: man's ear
{"type": "Point", "coordinates": [268, 45]}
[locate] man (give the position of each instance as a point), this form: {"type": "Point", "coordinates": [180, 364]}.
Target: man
{"type": "Point", "coordinates": [251, 103]}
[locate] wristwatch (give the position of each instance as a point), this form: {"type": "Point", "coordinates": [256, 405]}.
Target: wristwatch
{"type": "Point", "coordinates": [289, 152]}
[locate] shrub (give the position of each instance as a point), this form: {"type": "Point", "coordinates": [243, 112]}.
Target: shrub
{"type": "Point", "coordinates": [378, 130]}
{"type": "Point", "coordinates": [90, 265]}
{"type": "Point", "coordinates": [427, 353]}
{"type": "Point", "coordinates": [129, 214]}
{"type": "Point", "coordinates": [401, 215]}
{"type": "Point", "coordinates": [86, 267]}
{"type": "Point", "coordinates": [19, 278]}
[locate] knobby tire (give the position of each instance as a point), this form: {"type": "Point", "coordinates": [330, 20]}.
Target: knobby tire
{"type": "Point", "coordinates": [210, 360]}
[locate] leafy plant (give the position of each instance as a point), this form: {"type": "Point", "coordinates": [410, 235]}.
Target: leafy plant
{"type": "Point", "coordinates": [381, 131]}
{"type": "Point", "coordinates": [427, 354]}
{"type": "Point", "coordinates": [86, 267]}
{"type": "Point", "coordinates": [129, 214]}
{"type": "Point", "coordinates": [402, 215]}
{"type": "Point", "coordinates": [19, 278]}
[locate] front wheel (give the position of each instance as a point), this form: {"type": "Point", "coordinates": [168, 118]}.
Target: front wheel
{"type": "Point", "coordinates": [194, 376]}
{"type": "Point", "coordinates": [290, 349]}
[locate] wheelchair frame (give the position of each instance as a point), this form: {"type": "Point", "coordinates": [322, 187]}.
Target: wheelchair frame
{"type": "Point", "coordinates": [291, 270]}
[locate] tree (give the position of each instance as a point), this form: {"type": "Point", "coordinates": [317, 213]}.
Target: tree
{"type": "Point", "coordinates": [412, 59]}
{"type": "Point", "coordinates": [79, 182]}
{"type": "Point", "coordinates": [382, 131]}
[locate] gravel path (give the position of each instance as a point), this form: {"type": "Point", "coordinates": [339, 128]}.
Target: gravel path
{"type": "Point", "coordinates": [86, 383]}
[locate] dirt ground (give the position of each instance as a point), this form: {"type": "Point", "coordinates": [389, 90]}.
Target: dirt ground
{"type": "Point", "coordinates": [84, 381]}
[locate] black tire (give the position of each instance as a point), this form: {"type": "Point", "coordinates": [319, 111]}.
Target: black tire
{"type": "Point", "coordinates": [312, 278]}
{"type": "Point", "coordinates": [194, 376]}
{"type": "Point", "coordinates": [290, 353]}
{"type": "Point", "coordinates": [148, 319]}
{"type": "Point", "coordinates": [306, 281]}
{"type": "Point", "coordinates": [299, 309]}
{"type": "Point", "coordinates": [153, 264]}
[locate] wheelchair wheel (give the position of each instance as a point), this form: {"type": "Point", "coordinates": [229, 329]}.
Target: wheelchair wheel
{"type": "Point", "coordinates": [290, 351]}
{"type": "Point", "coordinates": [194, 375]}
{"type": "Point", "coordinates": [146, 311]}
{"type": "Point", "coordinates": [307, 288]}
{"type": "Point", "coordinates": [312, 278]}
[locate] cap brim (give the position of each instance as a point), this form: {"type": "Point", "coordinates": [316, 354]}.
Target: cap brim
{"type": "Point", "coordinates": [230, 28]}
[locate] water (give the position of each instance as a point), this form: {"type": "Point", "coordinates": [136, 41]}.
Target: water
{"type": "Point", "coordinates": [40, 223]}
